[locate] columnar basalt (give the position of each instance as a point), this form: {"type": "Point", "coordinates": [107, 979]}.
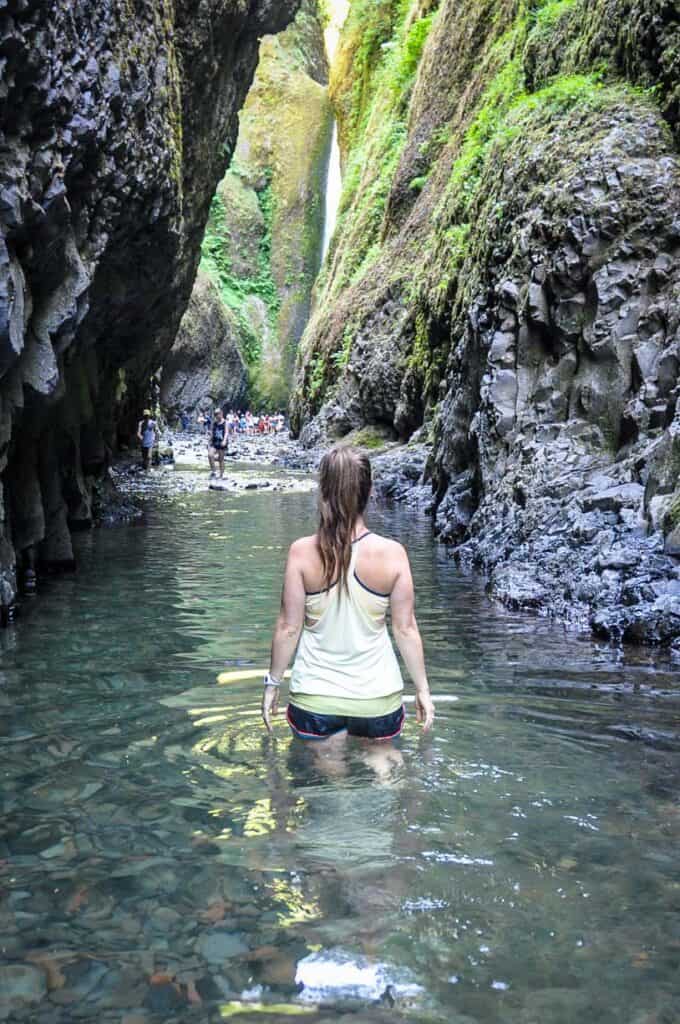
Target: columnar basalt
{"type": "Point", "coordinates": [118, 120]}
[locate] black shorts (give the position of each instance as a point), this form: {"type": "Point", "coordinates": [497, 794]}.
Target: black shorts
{"type": "Point", "coordinates": [310, 726]}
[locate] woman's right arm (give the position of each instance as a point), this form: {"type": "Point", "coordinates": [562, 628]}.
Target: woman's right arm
{"type": "Point", "coordinates": [408, 639]}
{"type": "Point", "coordinates": [287, 629]}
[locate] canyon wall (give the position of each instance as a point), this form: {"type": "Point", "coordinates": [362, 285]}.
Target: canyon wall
{"type": "Point", "coordinates": [503, 290]}
{"type": "Point", "coordinates": [118, 120]}
{"type": "Point", "coordinates": [262, 244]}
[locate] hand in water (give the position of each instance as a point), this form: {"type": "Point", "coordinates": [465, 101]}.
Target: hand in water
{"type": "Point", "coordinates": [424, 710]}
{"type": "Point", "coordinates": [270, 705]}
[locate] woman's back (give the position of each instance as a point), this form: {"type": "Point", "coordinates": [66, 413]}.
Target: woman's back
{"type": "Point", "coordinates": [377, 562]}
{"type": "Point", "coordinates": [338, 587]}
{"type": "Point", "coordinates": [345, 649]}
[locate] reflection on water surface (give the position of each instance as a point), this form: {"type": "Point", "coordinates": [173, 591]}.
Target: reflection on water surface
{"type": "Point", "coordinates": [161, 860]}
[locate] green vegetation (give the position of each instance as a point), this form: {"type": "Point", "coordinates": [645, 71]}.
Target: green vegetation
{"type": "Point", "coordinates": [263, 238]}
{"type": "Point", "coordinates": [340, 359]}
{"type": "Point", "coordinates": [385, 46]}
{"type": "Point", "coordinates": [409, 56]}
{"type": "Point", "coordinates": [520, 77]}
{"type": "Point", "coordinates": [370, 437]}
{"type": "Point", "coordinates": [235, 289]}
{"type": "Point", "coordinates": [317, 375]}
{"type": "Point", "coordinates": [544, 17]}
{"type": "Point", "coordinates": [672, 517]}
{"type": "Point", "coordinates": [504, 112]}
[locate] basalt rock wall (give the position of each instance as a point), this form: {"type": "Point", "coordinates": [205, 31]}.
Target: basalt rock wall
{"type": "Point", "coordinates": [204, 367]}
{"type": "Point", "coordinates": [118, 119]}
{"type": "Point", "coordinates": [503, 288]}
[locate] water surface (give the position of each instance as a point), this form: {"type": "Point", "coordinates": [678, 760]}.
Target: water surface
{"type": "Point", "coordinates": [160, 859]}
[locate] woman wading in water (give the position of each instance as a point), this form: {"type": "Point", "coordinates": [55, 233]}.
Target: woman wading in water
{"type": "Point", "coordinates": [338, 586]}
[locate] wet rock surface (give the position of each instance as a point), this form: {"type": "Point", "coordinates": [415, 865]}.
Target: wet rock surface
{"type": "Point", "coordinates": [538, 342]}
{"type": "Point", "coordinates": [122, 496]}
{"type": "Point", "coordinates": [204, 367]}
{"type": "Point", "coordinates": [118, 122]}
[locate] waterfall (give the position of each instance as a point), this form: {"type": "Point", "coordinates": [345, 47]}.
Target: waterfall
{"type": "Point", "coordinates": [333, 187]}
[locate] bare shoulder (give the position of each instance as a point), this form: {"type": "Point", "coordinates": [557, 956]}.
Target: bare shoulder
{"type": "Point", "coordinates": [303, 546]}
{"type": "Point", "coordinates": [389, 548]}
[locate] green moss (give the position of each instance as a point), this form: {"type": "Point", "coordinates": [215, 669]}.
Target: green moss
{"type": "Point", "coordinates": [672, 517]}
{"type": "Point", "coordinates": [235, 289]}
{"type": "Point", "coordinates": [368, 35]}
{"type": "Point", "coordinates": [384, 68]}
{"type": "Point", "coordinates": [316, 376]}
{"type": "Point", "coordinates": [521, 74]}
{"type": "Point", "coordinates": [409, 54]}
{"type": "Point", "coordinates": [545, 17]}
{"type": "Point", "coordinates": [323, 8]}
{"type": "Point", "coordinates": [370, 437]}
{"type": "Point", "coordinates": [505, 110]}
{"type": "Point", "coordinates": [340, 359]}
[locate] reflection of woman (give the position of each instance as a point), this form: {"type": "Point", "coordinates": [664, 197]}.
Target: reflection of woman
{"type": "Point", "coordinates": [338, 586]}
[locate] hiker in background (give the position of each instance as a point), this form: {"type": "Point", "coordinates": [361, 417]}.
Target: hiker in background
{"type": "Point", "coordinates": [219, 443]}
{"type": "Point", "coordinates": [147, 435]}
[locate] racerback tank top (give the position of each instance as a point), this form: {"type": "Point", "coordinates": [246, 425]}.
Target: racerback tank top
{"type": "Point", "coordinates": [345, 649]}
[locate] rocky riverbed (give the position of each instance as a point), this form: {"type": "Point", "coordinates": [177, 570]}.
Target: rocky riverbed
{"type": "Point", "coordinates": [587, 557]}
{"type": "Point", "coordinates": [270, 462]}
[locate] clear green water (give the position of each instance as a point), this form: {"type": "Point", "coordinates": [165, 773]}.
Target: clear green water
{"type": "Point", "coordinates": [160, 858]}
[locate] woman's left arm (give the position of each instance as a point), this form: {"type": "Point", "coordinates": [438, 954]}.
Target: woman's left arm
{"type": "Point", "coordinates": [286, 631]}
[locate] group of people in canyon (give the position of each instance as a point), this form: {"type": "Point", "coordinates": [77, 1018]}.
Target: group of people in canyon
{"type": "Point", "coordinates": [245, 422]}
{"type": "Point", "coordinates": [218, 429]}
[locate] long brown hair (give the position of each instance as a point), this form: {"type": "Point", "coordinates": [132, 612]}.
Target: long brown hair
{"type": "Point", "coordinates": [344, 490]}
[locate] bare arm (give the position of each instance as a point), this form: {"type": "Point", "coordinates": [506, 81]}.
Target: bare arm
{"type": "Point", "coordinates": [408, 639]}
{"type": "Point", "coordinates": [286, 631]}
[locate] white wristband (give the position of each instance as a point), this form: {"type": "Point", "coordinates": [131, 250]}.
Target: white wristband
{"type": "Point", "coordinates": [269, 680]}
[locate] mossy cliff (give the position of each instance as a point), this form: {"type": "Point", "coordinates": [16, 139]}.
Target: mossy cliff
{"type": "Point", "coordinates": [204, 367]}
{"type": "Point", "coordinates": [262, 244]}
{"type": "Point", "coordinates": [504, 285]}
{"type": "Point", "coordinates": [118, 121]}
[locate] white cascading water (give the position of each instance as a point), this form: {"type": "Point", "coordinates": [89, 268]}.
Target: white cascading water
{"type": "Point", "coordinates": [338, 10]}
{"type": "Point", "coordinates": [333, 188]}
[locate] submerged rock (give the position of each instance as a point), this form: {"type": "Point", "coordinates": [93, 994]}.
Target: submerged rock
{"type": "Point", "coordinates": [20, 985]}
{"type": "Point", "coordinates": [220, 946]}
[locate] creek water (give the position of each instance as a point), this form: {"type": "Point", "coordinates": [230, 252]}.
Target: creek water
{"type": "Point", "coordinates": [161, 859]}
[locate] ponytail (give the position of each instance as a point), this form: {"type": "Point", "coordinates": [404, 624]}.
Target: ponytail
{"type": "Point", "coordinates": [345, 487]}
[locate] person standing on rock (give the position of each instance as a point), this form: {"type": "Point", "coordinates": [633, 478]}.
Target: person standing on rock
{"type": "Point", "coordinates": [219, 443]}
{"type": "Point", "coordinates": [338, 586]}
{"type": "Point", "coordinates": [147, 435]}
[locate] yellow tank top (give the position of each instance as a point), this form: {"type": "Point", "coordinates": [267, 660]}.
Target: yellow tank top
{"type": "Point", "coordinates": [345, 652]}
